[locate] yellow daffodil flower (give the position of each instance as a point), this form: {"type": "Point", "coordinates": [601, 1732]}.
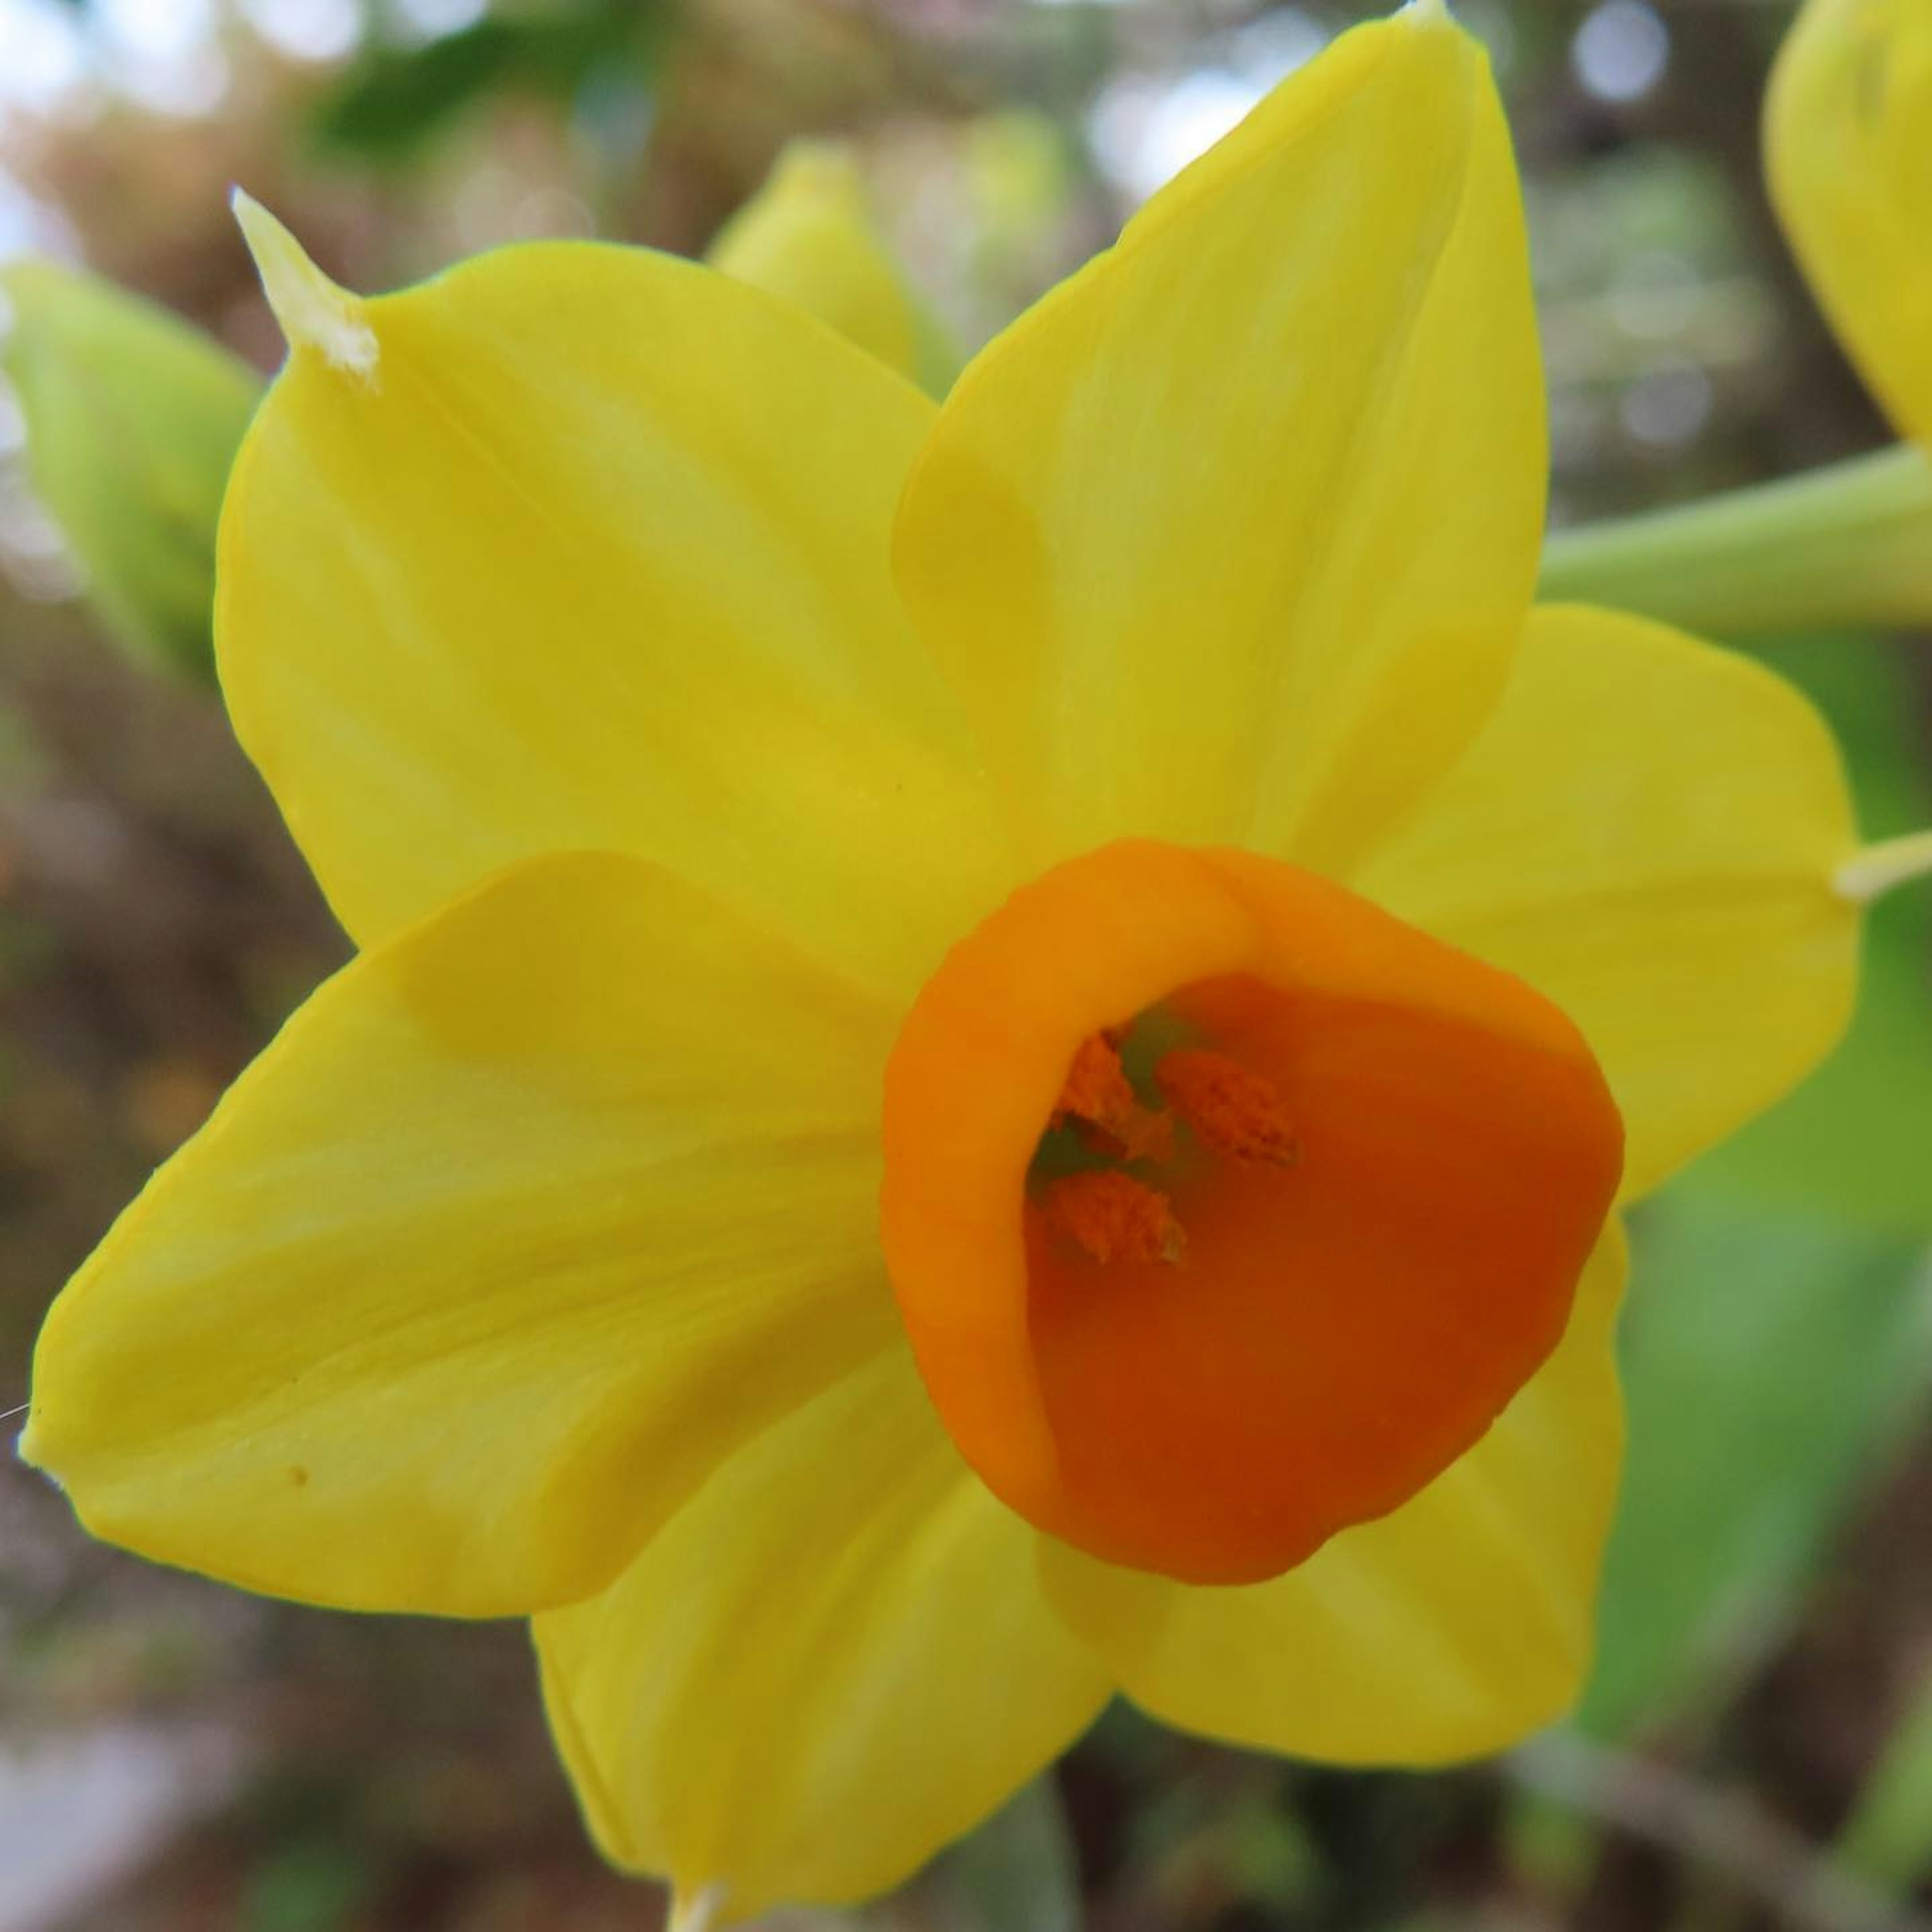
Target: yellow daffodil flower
{"type": "Point", "coordinates": [996, 1042]}
{"type": "Point", "coordinates": [1848, 128]}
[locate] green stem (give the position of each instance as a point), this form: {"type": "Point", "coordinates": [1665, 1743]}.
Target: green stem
{"type": "Point", "coordinates": [1850, 544]}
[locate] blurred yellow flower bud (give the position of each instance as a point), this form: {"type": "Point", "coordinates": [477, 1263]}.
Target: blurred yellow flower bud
{"type": "Point", "coordinates": [1849, 151]}
{"type": "Point", "coordinates": [808, 236]}
{"type": "Point", "coordinates": [133, 418]}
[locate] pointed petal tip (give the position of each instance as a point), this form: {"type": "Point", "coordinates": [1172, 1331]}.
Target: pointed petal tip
{"type": "Point", "coordinates": [313, 312]}
{"type": "Point", "coordinates": [1439, 16]}
{"type": "Point", "coordinates": [1444, 39]}
{"type": "Point", "coordinates": [27, 1452]}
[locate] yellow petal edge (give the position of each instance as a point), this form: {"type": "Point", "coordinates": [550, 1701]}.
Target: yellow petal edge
{"type": "Point", "coordinates": [1652, 832]}
{"type": "Point", "coordinates": [832, 1662]}
{"type": "Point", "coordinates": [524, 1222]}
{"type": "Point", "coordinates": [1230, 539]}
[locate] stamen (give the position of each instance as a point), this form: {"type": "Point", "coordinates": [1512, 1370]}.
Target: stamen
{"type": "Point", "coordinates": [1098, 1095]}
{"type": "Point", "coordinates": [1891, 862]}
{"type": "Point", "coordinates": [1096, 1084]}
{"type": "Point", "coordinates": [1113, 1217]}
{"type": "Point", "coordinates": [1232, 1109]}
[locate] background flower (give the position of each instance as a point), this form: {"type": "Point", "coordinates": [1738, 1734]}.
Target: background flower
{"type": "Point", "coordinates": [1848, 141]}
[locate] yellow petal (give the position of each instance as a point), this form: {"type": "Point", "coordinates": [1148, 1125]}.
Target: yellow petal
{"type": "Point", "coordinates": [1454, 1627]}
{"type": "Point", "coordinates": [1848, 129]}
{"type": "Point", "coordinates": [581, 547]}
{"type": "Point", "coordinates": [808, 236]}
{"type": "Point", "coordinates": [525, 1221]}
{"type": "Point", "coordinates": [1647, 831]}
{"type": "Point", "coordinates": [1230, 537]}
{"type": "Point", "coordinates": [834, 1661]}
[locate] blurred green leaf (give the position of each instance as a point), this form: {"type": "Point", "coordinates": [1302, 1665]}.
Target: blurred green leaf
{"type": "Point", "coordinates": [1889, 1840]}
{"type": "Point", "coordinates": [311, 1885]}
{"type": "Point", "coordinates": [1852, 1140]}
{"type": "Point", "coordinates": [1770, 1360]}
{"type": "Point", "coordinates": [393, 101]}
{"type": "Point", "coordinates": [1550, 1844]}
{"type": "Point", "coordinates": [1016, 1873]}
{"type": "Point", "coordinates": [133, 420]}
{"type": "Point", "coordinates": [1267, 1854]}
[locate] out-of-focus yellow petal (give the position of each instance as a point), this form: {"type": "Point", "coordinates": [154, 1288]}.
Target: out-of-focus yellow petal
{"type": "Point", "coordinates": [1848, 129]}
{"type": "Point", "coordinates": [833, 1662]}
{"type": "Point", "coordinates": [1647, 831]}
{"type": "Point", "coordinates": [808, 236]}
{"type": "Point", "coordinates": [525, 1220]}
{"type": "Point", "coordinates": [583, 547]}
{"type": "Point", "coordinates": [1230, 537]}
{"type": "Point", "coordinates": [1454, 1626]}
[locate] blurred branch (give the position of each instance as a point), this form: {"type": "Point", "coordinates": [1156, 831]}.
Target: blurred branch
{"type": "Point", "coordinates": [1798, 1883]}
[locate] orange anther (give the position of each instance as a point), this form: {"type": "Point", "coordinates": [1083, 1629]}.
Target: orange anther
{"type": "Point", "coordinates": [1235, 1111]}
{"type": "Point", "coordinates": [1098, 1095]}
{"type": "Point", "coordinates": [1097, 1083]}
{"type": "Point", "coordinates": [1115, 1217]}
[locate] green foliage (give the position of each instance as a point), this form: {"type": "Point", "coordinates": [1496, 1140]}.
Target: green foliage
{"type": "Point", "coordinates": [1769, 1359]}
{"type": "Point", "coordinates": [310, 1886]}
{"type": "Point", "coordinates": [1888, 1841]}
{"type": "Point", "coordinates": [394, 101]}
{"type": "Point", "coordinates": [133, 420]}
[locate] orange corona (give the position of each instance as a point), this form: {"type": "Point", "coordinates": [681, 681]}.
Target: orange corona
{"type": "Point", "coordinates": [1225, 1210]}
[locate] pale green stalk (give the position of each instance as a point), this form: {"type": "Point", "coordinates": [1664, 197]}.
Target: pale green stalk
{"type": "Point", "coordinates": [1850, 545]}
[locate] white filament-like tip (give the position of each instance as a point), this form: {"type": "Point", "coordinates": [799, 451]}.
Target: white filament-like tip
{"type": "Point", "coordinates": [1872, 873]}
{"type": "Point", "coordinates": [696, 1911]}
{"type": "Point", "coordinates": [314, 313]}
{"type": "Point", "coordinates": [1429, 14]}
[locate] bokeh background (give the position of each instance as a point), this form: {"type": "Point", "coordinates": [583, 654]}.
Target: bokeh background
{"type": "Point", "coordinates": [1757, 1751]}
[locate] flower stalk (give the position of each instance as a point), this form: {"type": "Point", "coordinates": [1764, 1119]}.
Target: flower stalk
{"type": "Point", "coordinates": [1850, 543]}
